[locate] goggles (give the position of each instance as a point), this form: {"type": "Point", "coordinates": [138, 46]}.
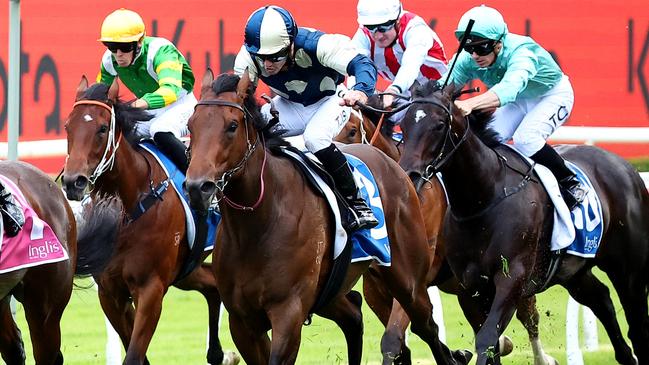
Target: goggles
{"type": "Point", "coordinates": [382, 28]}
{"type": "Point", "coordinates": [124, 47]}
{"type": "Point", "coordinates": [276, 57]}
{"type": "Point", "coordinates": [481, 49]}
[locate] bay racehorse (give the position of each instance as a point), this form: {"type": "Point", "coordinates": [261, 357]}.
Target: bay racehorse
{"type": "Point", "coordinates": [362, 128]}
{"type": "Point", "coordinates": [278, 232]}
{"type": "Point", "coordinates": [498, 228]}
{"type": "Point", "coordinates": [43, 289]}
{"type": "Point", "coordinates": [151, 249]}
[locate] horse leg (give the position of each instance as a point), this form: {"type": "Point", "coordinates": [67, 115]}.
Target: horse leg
{"type": "Point", "coordinates": [393, 341]}
{"type": "Point", "coordinates": [528, 315]}
{"type": "Point", "coordinates": [118, 308]}
{"type": "Point", "coordinates": [413, 297]}
{"type": "Point", "coordinates": [253, 343]}
{"type": "Point", "coordinates": [148, 307]}
{"type": "Point", "coordinates": [393, 346]}
{"type": "Point", "coordinates": [286, 320]}
{"type": "Point", "coordinates": [49, 291]}
{"type": "Point", "coordinates": [346, 312]}
{"type": "Point", "coordinates": [11, 343]}
{"type": "Point", "coordinates": [586, 289]}
{"type": "Point", "coordinates": [202, 280]}
{"type": "Point", "coordinates": [630, 289]}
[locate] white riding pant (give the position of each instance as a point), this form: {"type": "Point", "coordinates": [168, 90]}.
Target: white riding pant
{"type": "Point", "coordinates": [172, 118]}
{"type": "Point", "coordinates": [530, 122]}
{"type": "Point", "coordinates": [319, 122]}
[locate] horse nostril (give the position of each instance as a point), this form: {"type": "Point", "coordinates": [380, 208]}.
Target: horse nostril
{"type": "Point", "coordinates": [414, 176]}
{"type": "Point", "coordinates": [81, 182]}
{"type": "Point", "coordinates": [208, 188]}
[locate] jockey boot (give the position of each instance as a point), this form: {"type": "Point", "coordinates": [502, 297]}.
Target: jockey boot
{"type": "Point", "coordinates": [337, 166]}
{"type": "Point", "coordinates": [173, 148]}
{"type": "Point", "coordinates": [572, 190]}
{"type": "Point", "coordinates": [12, 214]}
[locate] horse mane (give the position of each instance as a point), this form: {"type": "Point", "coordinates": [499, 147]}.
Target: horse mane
{"type": "Point", "coordinates": [126, 116]}
{"type": "Point", "coordinates": [228, 83]}
{"type": "Point", "coordinates": [479, 120]}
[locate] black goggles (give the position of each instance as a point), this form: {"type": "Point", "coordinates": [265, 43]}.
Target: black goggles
{"type": "Point", "coordinates": [276, 57]}
{"type": "Point", "coordinates": [385, 27]}
{"type": "Point", "coordinates": [124, 47]}
{"type": "Point", "coordinates": [481, 49]}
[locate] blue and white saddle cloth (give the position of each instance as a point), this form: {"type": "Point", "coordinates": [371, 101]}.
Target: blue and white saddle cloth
{"type": "Point", "coordinates": [177, 177]}
{"type": "Point", "coordinates": [367, 244]}
{"type": "Point", "coordinates": [579, 231]}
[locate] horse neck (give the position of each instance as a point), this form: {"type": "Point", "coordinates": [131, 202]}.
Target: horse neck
{"type": "Point", "coordinates": [471, 176]}
{"type": "Point", "coordinates": [129, 176]}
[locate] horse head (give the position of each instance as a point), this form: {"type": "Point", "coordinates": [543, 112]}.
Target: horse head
{"type": "Point", "coordinates": [432, 130]}
{"type": "Point", "coordinates": [93, 133]}
{"type": "Point", "coordinates": [224, 135]}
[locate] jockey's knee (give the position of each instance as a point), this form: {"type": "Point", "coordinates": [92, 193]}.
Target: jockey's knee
{"type": "Point", "coordinates": [528, 145]}
{"type": "Point", "coordinates": [316, 143]}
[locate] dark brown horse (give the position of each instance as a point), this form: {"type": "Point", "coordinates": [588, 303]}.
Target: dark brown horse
{"type": "Point", "coordinates": [279, 233]}
{"type": "Point", "coordinates": [498, 244]}
{"type": "Point", "coordinates": [151, 249]}
{"type": "Point", "coordinates": [44, 290]}
{"type": "Point", "coordinates": [362, 129]}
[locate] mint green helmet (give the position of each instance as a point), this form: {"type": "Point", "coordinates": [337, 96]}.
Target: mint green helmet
{"type": "Point", "coordinates": [489, 23]}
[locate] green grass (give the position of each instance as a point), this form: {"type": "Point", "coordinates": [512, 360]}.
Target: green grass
{"type": "Point", "coordinates": [181, 333]}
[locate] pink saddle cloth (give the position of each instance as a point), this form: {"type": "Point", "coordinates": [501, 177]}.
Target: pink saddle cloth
{"type": "Point", "coordinates": [36, 244]}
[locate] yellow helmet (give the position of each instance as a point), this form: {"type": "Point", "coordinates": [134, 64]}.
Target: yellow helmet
{"type": "Point", "coordinates": [122, 26]}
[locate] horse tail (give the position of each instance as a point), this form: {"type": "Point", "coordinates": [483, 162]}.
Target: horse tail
{"type": "Point", "coordinates": [98, 224]}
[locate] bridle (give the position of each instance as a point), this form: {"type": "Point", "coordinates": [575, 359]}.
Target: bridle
{"type": "Point", "coordinates": [227, 175]}
{"type": "Point", "coordinates": [106, 163]}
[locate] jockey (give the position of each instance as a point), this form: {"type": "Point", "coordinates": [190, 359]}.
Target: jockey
{"type": "Point", "coordinates": [157, 73]}
{"type": "Point", "coordinates": [532, 95]}
{"type": "Point", "coordinates": [305, 68]}
{"type": "Point", "coordinates": [12, 214]}
{"type": "Point", "coordinates": [401, 45]}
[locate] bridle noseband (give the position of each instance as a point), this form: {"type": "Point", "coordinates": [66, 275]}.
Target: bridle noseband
{"type": "Point", "coordinates": [227, 175]}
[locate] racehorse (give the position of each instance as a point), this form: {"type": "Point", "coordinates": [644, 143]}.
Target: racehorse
{"type": "Point", "coordinates": [279, 232]}
{"type": "Point", "coordinates": [364, 128]}
{"type": "Point", "coordinates": [151, 249]}
{"type": "Point", "coordinates": [498, 228]}
{"type": "Point", "coordinates": [44, 290]}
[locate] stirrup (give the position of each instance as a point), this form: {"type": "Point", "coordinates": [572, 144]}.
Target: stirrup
{"type": "Point", "coordinates": [362, 215]}
{"type": "Point", "coordinates": [13, 218]}
{"type": "Point", "coordinates": [574, 193]}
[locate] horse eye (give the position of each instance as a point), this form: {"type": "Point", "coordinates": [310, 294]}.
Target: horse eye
{"type": "Point", "coordinates": [232, 127]}
{"type": "Point", "coordinates": [352, 133]}
{"type": "Point", "coordinates": [103, 129]}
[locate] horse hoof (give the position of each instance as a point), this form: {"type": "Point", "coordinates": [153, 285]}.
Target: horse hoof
{"type": "Point", "coordinates": [506, 345]}
{"type": "Point", "coordinates": [230, 358]}
{"type": "Point", "coordinates": [551, 360]}
{"type": "Point", "coordinates": [462, 356]}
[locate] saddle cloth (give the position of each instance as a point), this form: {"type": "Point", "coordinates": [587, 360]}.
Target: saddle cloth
{"type": "Point", "coordinates": [36, 244]}
{"type": "Point", "coordinates": [579, 231]}
{"type": "Point", "coordinates": [367, 244]}
{"type": "Point", "coordinates": [177, 177]}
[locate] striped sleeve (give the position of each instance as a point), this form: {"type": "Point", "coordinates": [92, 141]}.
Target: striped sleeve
{"type": "Point", "coordinates": [107, 72]}
{"type": "Point", "coordinates": [168, 68]}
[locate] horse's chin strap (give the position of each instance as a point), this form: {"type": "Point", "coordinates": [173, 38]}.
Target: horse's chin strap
{"type": "Point", "coordinates": [225, 178]}
{"type": "Point", "coordinates": [107, 162]}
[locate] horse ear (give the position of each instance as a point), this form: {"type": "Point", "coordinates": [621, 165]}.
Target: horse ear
{"type": "Point", "coordinates": [113, 92]}
{"type": "Point", "coordinates": [83, 86]}
{"type": "Point", "coordinates": [415, 85]}
{"type": "Point", "coordinates": [208, 78]}
{"type": "Point", "coordinates": [243, 85]}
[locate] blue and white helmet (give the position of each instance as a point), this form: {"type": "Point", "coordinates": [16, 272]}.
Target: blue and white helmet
{"type": "Point", "coordinates": [269, 30]}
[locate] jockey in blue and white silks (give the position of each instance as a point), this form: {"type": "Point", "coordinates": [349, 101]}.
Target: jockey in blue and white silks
{"type": "Point", "coordinates": [306, 69]}
{"type": "Point", "coordinates": [532, 95]}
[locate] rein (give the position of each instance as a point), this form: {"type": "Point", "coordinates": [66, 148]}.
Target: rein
{"type": "Point", "coordinates": [227, 175]}
{"type": "Point", "coordinates": [106, 163]}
